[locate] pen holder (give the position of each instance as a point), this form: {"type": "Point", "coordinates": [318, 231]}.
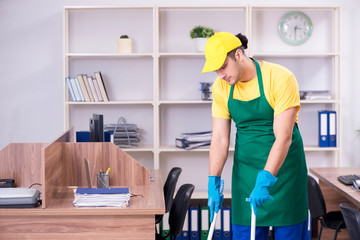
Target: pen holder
{"type": "Point", "coordinates": [103, 180]}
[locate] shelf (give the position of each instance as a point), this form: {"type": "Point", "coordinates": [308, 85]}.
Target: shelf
{"type": "Point", "coordinates": [111, 103]}
{"type": "Point", "coordinates": [157, 86]}
{"type": "Point", "coordinates": [108, 55]}
{"type": "Point", "coordinates": [187, 54]}
{"type": "Point", "coordinates": [204, 195]}
{"type": "Point", "coordinates": [184, 102]}
{"type": "Point", "coordinates": [318, 101]}
{"type": "Point", "coordinates": [139, 149]}
{"type": "Point", "coordinates": [299, 55]}
{"type": "Point", "coordinates": [320, 149]}
{"type": "Point", "coordinates": [176, 149]}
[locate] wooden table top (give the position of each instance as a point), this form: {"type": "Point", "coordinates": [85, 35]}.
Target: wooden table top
{"type": "Point", "coordinates": [329, 176]}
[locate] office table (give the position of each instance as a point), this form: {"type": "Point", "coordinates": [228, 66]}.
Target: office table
{"type": "Point", "coordinates": [334, 191]}
{"type": "Point", "coordinates": [61, 220]}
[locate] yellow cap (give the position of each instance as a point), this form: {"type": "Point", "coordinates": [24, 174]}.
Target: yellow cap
{"type": "Point", "coordinates": [216, 49]}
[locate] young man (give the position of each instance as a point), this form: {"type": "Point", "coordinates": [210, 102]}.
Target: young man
{"type": "Point", "coordinates": [269, 167]}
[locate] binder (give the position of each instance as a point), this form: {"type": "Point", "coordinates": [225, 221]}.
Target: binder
{"type": "Point", "coordinates": [185, 231]}
{"type": "Point", "coordinates": [226, 223]}
{"type": "Point", "coordinates": [323, 129]}
{"type": "Point", "coordinates": [165, 228]}
{"type": "Point", "coordinates": [194, 222]}
{"type": "Point", "coordinates": [332, 128]}
{"type": "Point", "coordinates": [204, 222]}
{"type": "Point", "coordinates": [218, 227]}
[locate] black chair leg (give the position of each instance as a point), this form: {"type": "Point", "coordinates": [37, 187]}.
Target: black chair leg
{"type": "Point", "coordinates": [336, 233]}
{"type": "Point", "coordinates": [319, 237]}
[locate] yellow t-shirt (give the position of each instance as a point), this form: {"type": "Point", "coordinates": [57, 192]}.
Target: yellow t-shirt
{"type": "Point", "coordinates": [280, 87]}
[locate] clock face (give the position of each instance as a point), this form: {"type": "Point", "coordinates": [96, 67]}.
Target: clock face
{"type": "Point", "coordinates": [295, 28]}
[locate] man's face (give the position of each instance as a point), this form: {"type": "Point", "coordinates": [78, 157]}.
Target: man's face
{"type": "Point", "coordinates": [230, 71]}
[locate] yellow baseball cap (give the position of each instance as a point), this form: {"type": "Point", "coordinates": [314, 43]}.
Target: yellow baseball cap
{"type": "Point", "coordinates": [216, 49]}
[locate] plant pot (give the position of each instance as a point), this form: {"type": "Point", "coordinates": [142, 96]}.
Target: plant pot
{"type": "Point", "coordinates": [200, 44]}
{"type": "Point", "coordinates": [124, 45]}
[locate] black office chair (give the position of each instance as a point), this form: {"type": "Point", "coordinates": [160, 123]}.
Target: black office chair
{"type": "Point", "coordinates": [178, 211]}
{"type": "Point", "coordinates": [352, 220]}
{"type": "Point", "coordinates": [169, 189]}
{"type": "Point", "coordinates": [333, 220]}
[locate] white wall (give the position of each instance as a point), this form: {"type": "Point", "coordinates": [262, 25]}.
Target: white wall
{"type": "Point", "coordinates": [31, 106]}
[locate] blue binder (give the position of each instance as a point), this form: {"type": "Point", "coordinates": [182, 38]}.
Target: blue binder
{"type": "Point", "coordinates": [185, 235]}
{"type": "Point", "coordinates": [226, 223]}
{"type": "Point", "coordinates": [332, 128]}
{"type": "Point", "coordinates": [194, 222]}
{"type": "Point", "coordinates": [218, 227]}
{"type": "Point", "coordinates": [323, 129]}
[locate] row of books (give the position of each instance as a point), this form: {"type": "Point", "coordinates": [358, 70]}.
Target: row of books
{"type": "Point", "coordinates": [193, 140]}
{"type": "Point", "coordinates": [85, 88]}
{"type": "Point", "coordinates": [101, 197]}
{"type": "Point", "coordinates": [197, 224]}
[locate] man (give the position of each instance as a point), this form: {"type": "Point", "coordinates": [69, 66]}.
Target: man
{"type": "Point", "coordinates": [269, 161]}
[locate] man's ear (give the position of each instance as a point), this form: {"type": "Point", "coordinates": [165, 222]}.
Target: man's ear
{"type": "Point", "coordinates": [238, 55]}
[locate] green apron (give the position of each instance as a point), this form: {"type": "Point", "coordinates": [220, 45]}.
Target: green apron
{"type": "Point", "coordinates": [254, 139]}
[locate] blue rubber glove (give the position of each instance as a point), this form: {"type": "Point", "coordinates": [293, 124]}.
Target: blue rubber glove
{"type": "Point", "coordinates": [260, 193]}
{"type": "Point", "coordinates": [215, 195]}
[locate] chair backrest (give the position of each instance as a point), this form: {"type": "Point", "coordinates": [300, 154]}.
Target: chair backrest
{"type": "Point", "coordinates": [179, 208]}
{"type": "Point", "coordinates": [352, 220]}
{"type": "Point", "coordinates": [169, 187]}
{"type": "Point", "coordinates": [315, 197]}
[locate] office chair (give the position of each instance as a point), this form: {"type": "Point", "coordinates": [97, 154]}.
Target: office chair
{"type": "Point", "coordinates": [178, 211]}
{"type": "Point", "coordinates": [333, 220]}
{"type": "Point", "coordinates": [352, 220]}
{"type": "Point", "coordinates": [169, 189]}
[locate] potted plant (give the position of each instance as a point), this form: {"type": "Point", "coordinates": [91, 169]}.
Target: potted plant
{"type": "Point", "coordinates": [201, 35]}
{"type": "Point", "coordinates": [124, 44]}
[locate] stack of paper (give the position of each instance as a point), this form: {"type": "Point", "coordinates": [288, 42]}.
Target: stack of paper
{"type": "Point", "coordinates": [102, 197]}
{"type": "Point", "coordinates": [193, 140]}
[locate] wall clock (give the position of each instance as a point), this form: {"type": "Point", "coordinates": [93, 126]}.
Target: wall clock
{"type": "Point", "coordinates": [295, 28]}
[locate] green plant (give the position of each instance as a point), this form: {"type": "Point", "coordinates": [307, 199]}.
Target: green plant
{"type": "Point", "coordinates": [201, 32]}
{"type": "Point", "coordinates": [124, 36]}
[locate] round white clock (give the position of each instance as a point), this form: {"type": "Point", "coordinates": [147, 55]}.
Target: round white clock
{"type": "Point", "coordinates": [295, 28]}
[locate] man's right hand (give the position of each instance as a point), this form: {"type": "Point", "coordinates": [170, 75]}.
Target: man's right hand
{"type": "Point", "coordinates": [215, 197]}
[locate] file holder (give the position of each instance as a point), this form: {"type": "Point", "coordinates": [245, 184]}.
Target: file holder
{"type": "Point", "coordinates": [122, 121]}
{"type": "Point", "coordinates": [103, 180]}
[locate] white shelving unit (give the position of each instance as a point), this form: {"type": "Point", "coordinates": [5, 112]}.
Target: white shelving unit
{"type": "Point", "coordinates": [157, 86]}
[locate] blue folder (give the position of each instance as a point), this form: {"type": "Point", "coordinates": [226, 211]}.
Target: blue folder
{"type": "Point", "coordinates": [323, 129]}
{"type": "Point", "coordinates": [102, 190]}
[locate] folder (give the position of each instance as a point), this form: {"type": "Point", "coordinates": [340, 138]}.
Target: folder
{"type": "Point", "coordinates": [194, 222]}
{"type": "Point", "coordinates": [185, 231]}
{"type": "Point", "coordinates": [226, 222]}
{"type": "Point", "coordinates": [165, 228]}
{"type": "Point", "coordinates": [218, 227]}
{"type": "Point", "coordinates": [332, 128]}
{"type": "Point", "coordinates": [204, 222]}
{"type": "Point", "coordinates": [323, 129]}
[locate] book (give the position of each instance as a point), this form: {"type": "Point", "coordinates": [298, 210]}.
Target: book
{"type": "Point", "coordinates": [197, 136]}
{"type": "Point", "coordinates": [75, 88]}
{"type": "Point", "coordinates": [91, 97]}
{"type": "Point", "coordinates": [101, 84]}
{"type": "Point", "coordinates": [83, 88]}
{"type": "Point", "coordinates": [71, 90]}
{"type": "Point", "coordinates": [82, 98]}
{"type": "Point", "coordinates": [184, 144]}
{"type": "Point", "coordinates": [92, 88]}
{"type": "Point", "coordinates": [97, 90]}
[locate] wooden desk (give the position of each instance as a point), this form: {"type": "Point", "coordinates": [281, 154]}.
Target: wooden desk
{"type": "Point", "coordinates": [59, 165]}
{"type": "Point", "coordinates": [61, 220]}
{"type": "Point", "coordinates": [334, 191]}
